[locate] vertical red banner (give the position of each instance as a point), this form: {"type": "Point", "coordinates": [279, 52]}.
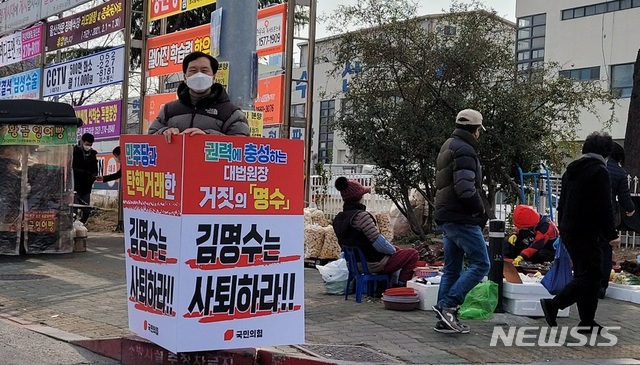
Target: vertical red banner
{"type": "Point", "coordinates": [151, 173]}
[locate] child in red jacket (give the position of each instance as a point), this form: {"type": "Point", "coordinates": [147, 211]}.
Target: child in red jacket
{"type": "Point", "coordinates": [533, 239]}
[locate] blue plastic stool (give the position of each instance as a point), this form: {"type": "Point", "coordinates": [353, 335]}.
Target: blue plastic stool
{"type": "Point", "coordinates": [361, 274]}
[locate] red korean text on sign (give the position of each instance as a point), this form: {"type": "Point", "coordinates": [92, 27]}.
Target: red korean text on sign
{"type": "Point", "coordinates": [150, 177]}
{"type": "Point", "coordinates": [243, 176]}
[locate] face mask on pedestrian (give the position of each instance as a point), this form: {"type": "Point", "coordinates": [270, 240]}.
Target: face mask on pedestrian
{"type": "Point", "coordinates": [86, 148]}
{"type": "Point", "coordinates": [199, 82]}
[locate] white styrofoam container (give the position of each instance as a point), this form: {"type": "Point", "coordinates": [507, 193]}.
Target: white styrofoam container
{"type": "Point", "coordinates": [529, 308]}
{"type": "Point", "coordinates": [623, 292]}
{"type": "Point", "coordinates": [524, 291]}
{"type": "Point", "coordinates": [428, 294]}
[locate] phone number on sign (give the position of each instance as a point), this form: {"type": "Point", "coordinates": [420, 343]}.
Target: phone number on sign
{"type": "Point", "coordinates": [269, 40]}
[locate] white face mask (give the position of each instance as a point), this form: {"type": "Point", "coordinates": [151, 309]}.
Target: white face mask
{"type": "Point", "coordinates": [199, 82]}
{"type": "Point", "coordinates": [86, 148]}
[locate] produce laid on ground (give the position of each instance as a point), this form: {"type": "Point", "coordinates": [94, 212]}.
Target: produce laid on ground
{"type": "Point", "coordinates": [625, 278]}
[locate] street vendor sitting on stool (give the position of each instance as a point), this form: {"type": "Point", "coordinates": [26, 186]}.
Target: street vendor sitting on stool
{"type": "Point", "coordinates": [533, 239]}
{"type": "Point", "coordinates": [354, 226]}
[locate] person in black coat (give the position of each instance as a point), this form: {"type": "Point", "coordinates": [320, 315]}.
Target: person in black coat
{"type": "Point", "coordinates": [621, 201]}
{"type": "Point", "coordinates": [116, 175]}
{"type": "Point", "coordinates": [585, 216]}
{"type": "Point", "coordinates": [461, 214]}
{"type": "Point", "coordinates": [85, 170]}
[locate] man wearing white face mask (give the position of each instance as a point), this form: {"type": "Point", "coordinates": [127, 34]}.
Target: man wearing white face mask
{"type": "Point", "coordinates": [85, 170]}
{"type": "Point", "coordinates": [203, 107]}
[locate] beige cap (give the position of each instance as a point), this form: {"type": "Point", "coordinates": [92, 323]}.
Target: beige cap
{"type": "Point", "coordinates": [470, 117]}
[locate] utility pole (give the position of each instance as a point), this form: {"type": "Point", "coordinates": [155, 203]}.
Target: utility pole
{"type": "Point", "coordinates": [238, 47]}
{"type": "Point", "coordinates": [125, 99]}
{"type": "Point", "coordinates": [288, 67]}
{"type": "Point", "coordinates": [143, 64]}
{"type": "Point", "coordinates": [311, 55]}
{"type": "Point", "coordinates": [43, 60]}
{"type": "Point", "coordinates": [308, 130]}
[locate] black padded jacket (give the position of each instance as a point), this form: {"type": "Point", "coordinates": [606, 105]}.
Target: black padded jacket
{"type": "Point", "coordinates": [459, 181]}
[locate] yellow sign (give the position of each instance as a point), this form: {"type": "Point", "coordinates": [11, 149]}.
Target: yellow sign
{"type": "Point", "coordinates": [159, 9]}
{"type": "Point", "coordinates": [222, 76]}
{"type": "Point", "coordinates": [255, 122]}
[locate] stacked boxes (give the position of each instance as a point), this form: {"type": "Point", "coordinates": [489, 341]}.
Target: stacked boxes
{"type": "Point", "coordinates": [524, 299]}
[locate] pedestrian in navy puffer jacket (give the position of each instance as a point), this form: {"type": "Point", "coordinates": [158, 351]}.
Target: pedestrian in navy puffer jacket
{"type": "Point", "coordinates": [620, 201]}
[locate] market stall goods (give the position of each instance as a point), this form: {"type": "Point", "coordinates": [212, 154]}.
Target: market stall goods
{"type": "Point", "coordinates": [330, 249]}
{"type": "Point", "coordinates": [313, 241]}
{"type": "Point", "coordinates": [36, 178]}
{"type": "Point", "coordinates": [384, 224]}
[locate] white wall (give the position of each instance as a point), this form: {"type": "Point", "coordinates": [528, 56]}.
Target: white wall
{"type": "Point", "coordinates": [325, 88]}
{"type": "Point", "coordinates": [598, 40]}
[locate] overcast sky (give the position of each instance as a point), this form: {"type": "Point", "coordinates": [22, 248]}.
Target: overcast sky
{"type": "Point", "coordinates": [504, 8]}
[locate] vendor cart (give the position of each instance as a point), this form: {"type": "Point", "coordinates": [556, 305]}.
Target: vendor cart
{"type": "Point", "coordinates": [36, 178]}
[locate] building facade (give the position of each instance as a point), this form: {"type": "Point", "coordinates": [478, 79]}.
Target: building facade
{"type": "Point", "coordinates": [329, 87]}
{"type": "Point", "coordinates": [591, 40]}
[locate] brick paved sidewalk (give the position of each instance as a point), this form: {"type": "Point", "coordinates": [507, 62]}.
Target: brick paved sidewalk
{"type": "Point", "coordinates": [85, 294]}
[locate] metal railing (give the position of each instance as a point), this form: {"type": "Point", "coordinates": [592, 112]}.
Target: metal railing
{"type": "Point", "coordinates": [631, 238]}
{"type": "Point", "coordinates": [327, 198]}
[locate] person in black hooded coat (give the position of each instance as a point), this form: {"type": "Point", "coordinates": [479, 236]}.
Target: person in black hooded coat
{"type": "Point", "coordinates": [585, 215]}
{"type": "Point", "coordinates": [85, 170]}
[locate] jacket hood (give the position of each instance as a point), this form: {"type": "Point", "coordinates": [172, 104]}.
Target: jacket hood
{"type": "Point", "coordinates": [525, 216]}
{"type": "Point", "coordinates": [218, 94]}
{"type": "Point", "coordinates": [580, 168]}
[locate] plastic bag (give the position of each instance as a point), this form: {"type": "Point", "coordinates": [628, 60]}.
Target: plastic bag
{"type": "Point", "coordinates": [335, 275]}
{"type": "Point", "coordinates": [334, 271]}
{"type": "Point", "coordinates": [559, 274]}
{"type": "Point", "coordinates": [480, 302]}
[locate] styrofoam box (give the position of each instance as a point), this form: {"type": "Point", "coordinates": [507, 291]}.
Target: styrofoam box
{"type": "Point", "coordinates": [525, 291]}
{"type": "Point", "coordinates": [428, 294]}
{"type": "Point", "coordinates": [529, 308]}
{"type": "Point", "coordinates": [624, 292]}
{"type": "Point", "coordinates": [524, 299]}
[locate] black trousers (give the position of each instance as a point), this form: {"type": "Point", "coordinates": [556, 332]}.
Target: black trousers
{"type": "Point", "coordinates": [586, 256]}
{"type": "Point", "coordinates": [607, 264]}
{"type": "Point", "coordinates": [84, 199]}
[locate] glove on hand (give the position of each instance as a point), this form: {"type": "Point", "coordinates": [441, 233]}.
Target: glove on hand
{"type": "Point", "coordinates": [517, 260]}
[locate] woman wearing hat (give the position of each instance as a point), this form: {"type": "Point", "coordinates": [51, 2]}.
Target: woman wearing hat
{"type": "Point", "coordinates": [354, 226]}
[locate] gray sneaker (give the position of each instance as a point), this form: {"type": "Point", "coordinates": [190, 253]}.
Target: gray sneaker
{"type": "Point", "coordinates": [449, 317]}
{"type": "Point", "coordinates": [442, 327]}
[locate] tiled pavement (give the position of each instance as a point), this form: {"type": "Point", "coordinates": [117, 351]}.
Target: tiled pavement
{"type": "Point", "coordinates": [85, 294]}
